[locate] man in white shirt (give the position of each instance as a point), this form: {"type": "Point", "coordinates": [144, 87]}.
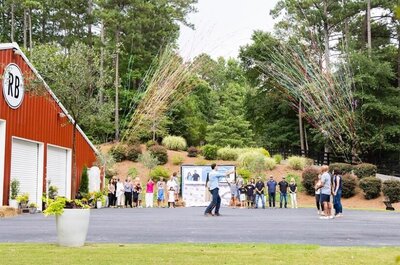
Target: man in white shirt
{"type": "Point", "coordinates": [213, 181]}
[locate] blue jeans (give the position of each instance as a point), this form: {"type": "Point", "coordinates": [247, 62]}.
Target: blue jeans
{"type": "Point", "coordinates": [271, 199]}
{"type": "Point", "coordinates": [260, 196]}
{"type": "Point", "coordinates": [283, 197]}
{"type": "Point", "coordinates": [337, 203]}
{"type": "Point", "coordinates": [215, 202]}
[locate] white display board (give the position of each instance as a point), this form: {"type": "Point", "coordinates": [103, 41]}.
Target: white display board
{"type": "Point", "coordinates": [194, 191]}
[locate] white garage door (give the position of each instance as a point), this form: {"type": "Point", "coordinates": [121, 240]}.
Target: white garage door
{"type": "Point", "coordinates": [57, 169]}
{"type": "Point", "coordinates": [25, 168]}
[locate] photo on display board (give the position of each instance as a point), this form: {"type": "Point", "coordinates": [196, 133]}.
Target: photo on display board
{"type": "Point", "coordinates": [192, 174]}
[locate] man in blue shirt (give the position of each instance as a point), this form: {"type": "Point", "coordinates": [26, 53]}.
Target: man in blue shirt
{"type": "Point", "coordinates": [271, 184]}
{"type": "Point", "coordinates": [213, 183]}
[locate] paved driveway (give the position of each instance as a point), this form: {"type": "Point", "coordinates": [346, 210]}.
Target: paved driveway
{"type": "Point", "coordinates": [298, 226]}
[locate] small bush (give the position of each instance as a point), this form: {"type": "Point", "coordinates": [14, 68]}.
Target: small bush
{"type": "Point", "coordinates": [210, 151]}
{"type": "Point", "coordinates": [133, 152]}
{"type": "Point", "coordinates": [245, 173]}
{"type": "Point", "coordinates": [133, 172]}
{"type": "Point", "coordinates": [84, 184]}
{"type": "Point", "coordinates": [118, 152]}
{"type": "Point", "coordinates": [297, 162]}
{"type": "Point", "coordinates": [263, 151]}
{"type": "Point", "coordinates": [371, 187]}
{"type": "Point", "coordinates": [159, 171]}
{"type": "Point", "coordinates": [341, 167]}
{"type": "Point", "coordinates": [309, 162]}
{"type": "Point", "coordinates": [391, 190]}
{"type": "Point", "coordinates": [174, 143]}
{"type": "Point", "coordinates": [160, 153]}
{"type": "Point", "coordinates": [310, 177]}
{"type": "Point", "coordinates": [270, 163]}
{"type": "Point", "coordinates": [177, 160]}
{"type": "Point", "coordinates": [148, 160]}
{"type": "Point", "coordinates": [349, 185]}
{"type": "Point", "coordinates": [365, 170]}
{"type": "Point", "coordinates": [151, 143]}
{"type": "Point", "coordinates": [228, 153]}
{"type": "Point", "coordinates": [253, 161]}
{"type": "Point", "coordinates": [193, 151]}
{"type": "Point", "coordinates": [278, 158]}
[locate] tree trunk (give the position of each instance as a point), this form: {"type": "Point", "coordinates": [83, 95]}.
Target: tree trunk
{"type": "Point", "coordinates": [346, 30]}
{"type": "Point", "coordinates": [369, 45]}
{"type": "Point", "coordinates": [30, 32]}
{"type": "Point", "coordinates": [90, 9]}
{"type": "Point", "coordinates": [301, 129]}
{"type": "Point", "coordinates": [101, 95]}
{"type": "Point", "coordinates": [398, 56]}
{"type": "Point", "coordinates": [326, 36]}
{"type": "Point", "coordinates": [25, 29]}
{"type": "Point", "coordinates": [74, 167]}
{"type": "Point", "coordinates": [12, 21]}
{"type": "Point", "coordinates": [117, 85]}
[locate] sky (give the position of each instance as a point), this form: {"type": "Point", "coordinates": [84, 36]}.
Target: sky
{"type": "Point", "coordinates": [222, 26]}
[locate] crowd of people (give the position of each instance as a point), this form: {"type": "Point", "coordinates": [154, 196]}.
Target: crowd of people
{"type": "Point", "coordinates": [328, 185]}
{"type": "Point", "coordinates": [250, 194]}
{"type": "Point", "coordinates": [129, 193]}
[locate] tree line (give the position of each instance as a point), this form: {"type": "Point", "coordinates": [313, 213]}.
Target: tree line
{"type": "Point", "coordinates": [114, 42]}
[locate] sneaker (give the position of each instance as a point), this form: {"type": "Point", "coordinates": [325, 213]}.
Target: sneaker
{"type": "Point", "coordinates": [331, 217]}
{"type": "Point", "coordinates": [217, 214]}
{"type": "Point", "coordinates": [208, 214]}
{"type": "Point", "coordinates": [324, 217]}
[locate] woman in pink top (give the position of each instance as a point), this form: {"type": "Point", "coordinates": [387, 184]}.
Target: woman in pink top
{"type": "Point", "coordinates": [149, 193]}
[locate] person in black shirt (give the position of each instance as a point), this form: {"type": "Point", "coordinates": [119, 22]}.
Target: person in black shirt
{"type": "Point", "coordinates": [259, 192]}
{"type": "Point", "coordinates": [242, 196]}
{"type": "Point", "coordinates": [283, 187]}
{"type": "Point", "coordinates": [250, 194]}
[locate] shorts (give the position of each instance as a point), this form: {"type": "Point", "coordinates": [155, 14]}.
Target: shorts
{"type": "Point", "coordinates": [325, 198]}
{"type": "Point", "coordinates": [160, 195]}
{"type": "Point", "coordinates": [242, 197]}
{"type": "Point", "coordinates": [250, 198]}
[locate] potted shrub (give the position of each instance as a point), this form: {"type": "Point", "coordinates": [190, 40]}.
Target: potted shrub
{"type": "Point", "coordinates": [14, 190]}
{"type": "Point", "coordinates": [72, 221]}
{"type": "Point", "coordinates": [32, 208]}
{"type": "Point", "coordinates": [23, 200]}
{"type": "Point", "coordinates": [99, 198]}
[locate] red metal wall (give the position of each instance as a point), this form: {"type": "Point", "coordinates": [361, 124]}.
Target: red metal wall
{"type": "Point", "coordinates": [37, 119]}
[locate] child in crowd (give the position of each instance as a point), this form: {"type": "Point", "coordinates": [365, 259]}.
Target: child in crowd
{"type": "Point", "coordinates": [171, 198]}
{"type": "Point", "coordinates": [242, 196]}
{"type": "Point", "coordinates": [160, 193]}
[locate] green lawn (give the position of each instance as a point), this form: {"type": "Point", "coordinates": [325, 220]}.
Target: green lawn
{"type": "Point", "coordinates": [195, 254]}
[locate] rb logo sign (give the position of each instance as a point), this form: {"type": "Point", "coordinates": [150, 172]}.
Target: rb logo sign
{"type": "Point", "coordinates": [13, 86]}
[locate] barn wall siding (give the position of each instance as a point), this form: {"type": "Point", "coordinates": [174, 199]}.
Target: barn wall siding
{"type": "Point", "coordinates": [38, 119]}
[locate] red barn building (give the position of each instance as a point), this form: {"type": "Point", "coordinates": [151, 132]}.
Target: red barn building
{"type": "Point", "coordinates": [35, 133]}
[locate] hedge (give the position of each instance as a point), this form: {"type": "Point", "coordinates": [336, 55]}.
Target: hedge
{"type": "Point", "coordinates": [391, 190]}
{"type": "Point", "coordinates": [371, 187]}
{"type": "Point", "coordinates": [133, 152]}
{"type": "Point", "coordinates": [210, 151]}
{"type": "Point", "coordinates": [310, 177]}
{"type": "Point", "coordinates": [349, 184]}
{"type": "Point", "coordinates": [365, 170]}
{"type": "Point", "coordinates": [297, 162]}
{"type": "Point", "coordinates": [344, 168]}
{"type": "Point", "coordinates": [160, 152]}
{"type": "Point", "coordinates": [176, 143]}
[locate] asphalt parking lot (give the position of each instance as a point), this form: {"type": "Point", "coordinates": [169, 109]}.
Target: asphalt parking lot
{"type": "Point", "coordinates": [155, 225]}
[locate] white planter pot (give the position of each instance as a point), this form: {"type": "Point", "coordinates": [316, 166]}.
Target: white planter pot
{"type": "Point", "coordinates": [72, 227]}
{"type": "Point", "coordinates": [14, 204]}
{"type": "Point", "coordinates": [99, 204]}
